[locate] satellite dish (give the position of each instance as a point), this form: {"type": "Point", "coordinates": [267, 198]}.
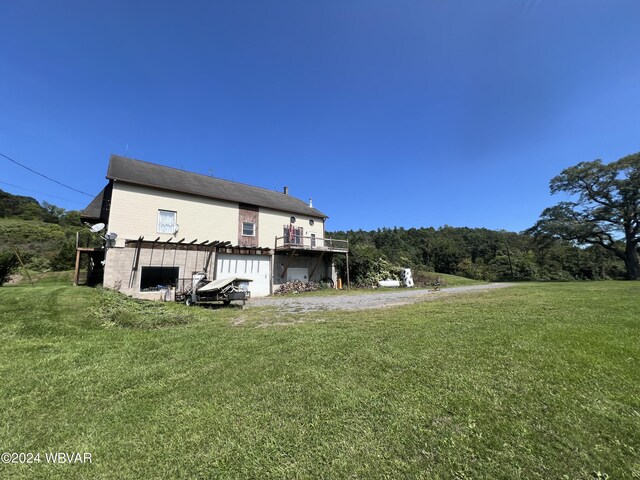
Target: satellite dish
{"type": "Point", "coordinates": [111, 236]}
{"type": "Point", "coordinates": [98, 227]}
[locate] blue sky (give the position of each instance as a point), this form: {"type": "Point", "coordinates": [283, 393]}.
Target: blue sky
{"type": "Point", "coordinates": [386, 113]}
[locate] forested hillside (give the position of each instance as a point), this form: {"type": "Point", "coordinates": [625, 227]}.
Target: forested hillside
{"type": "Point", "coordinates": [43, 234]}
{"type": "Point", "coordinates": [476, 253]}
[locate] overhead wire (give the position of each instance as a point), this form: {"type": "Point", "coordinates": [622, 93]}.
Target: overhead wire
{"type": "Point", "coordinates": [45, 176]}
{"type": "Point", "coordinates": [40, 193]}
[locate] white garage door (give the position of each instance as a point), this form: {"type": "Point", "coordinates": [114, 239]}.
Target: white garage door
{"type": "Point", "coordinates": [255, 267]}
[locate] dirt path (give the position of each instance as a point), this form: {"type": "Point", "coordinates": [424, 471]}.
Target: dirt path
{"type": "Point", "coordinates": [365, 300]}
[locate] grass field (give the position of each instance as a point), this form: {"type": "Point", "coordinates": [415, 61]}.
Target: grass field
{"type": "Point", "coordinates": [532, 381]}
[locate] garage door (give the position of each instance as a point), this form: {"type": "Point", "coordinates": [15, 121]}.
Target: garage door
{"type": "Point", "coordinates": [255, 267]}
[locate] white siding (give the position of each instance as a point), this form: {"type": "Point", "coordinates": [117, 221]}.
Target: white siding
{"type": "Point", "coordinates": [134, 212]}
{"type": "Point", "coordinates": [272, 221]}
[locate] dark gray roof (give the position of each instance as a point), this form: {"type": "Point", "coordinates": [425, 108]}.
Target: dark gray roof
{"type": "Point", "coordinates": [151, 175]}
{"type": "Point", "coordinates": [93, 211]}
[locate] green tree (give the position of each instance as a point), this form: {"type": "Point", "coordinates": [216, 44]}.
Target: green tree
{"type": "Point", "coordinates": [53, 213]}
{"type": "Point", "coordinates": [71, 218]}
{"type": "Point", "coordinates": [31, 211]}
{"type": "Point", "coordinates": [606, 211]}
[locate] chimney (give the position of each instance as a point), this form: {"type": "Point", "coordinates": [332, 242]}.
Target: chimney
{"type": "Point", "coordinates": [286, 190]}
{"type": "Point", "coordinates": [310, 203]}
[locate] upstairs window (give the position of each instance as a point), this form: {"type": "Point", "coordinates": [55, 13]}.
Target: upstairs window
{"type": "Point", "coordinates": [292, 235]}
{"type": "Point", "coordinates": [167, 221]}
{"type": "Point", "coordinates": [248, 229]}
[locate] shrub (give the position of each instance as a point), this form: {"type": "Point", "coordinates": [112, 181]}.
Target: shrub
{"type": "Point", "coordinates": [65, 258]}
{"type": "Point", "coordinates": [8, 265]}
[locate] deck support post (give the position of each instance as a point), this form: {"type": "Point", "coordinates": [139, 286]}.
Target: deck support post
{"type": "Point", "coordinates": [348, 282]}
{"type": "Point", "coordinates": [76, 272]}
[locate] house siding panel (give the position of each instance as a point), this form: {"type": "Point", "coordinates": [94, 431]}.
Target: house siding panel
{"type": "Point", "coordinates": [272, 221]}
{"type": "Point", "coordinates": [134, 213]}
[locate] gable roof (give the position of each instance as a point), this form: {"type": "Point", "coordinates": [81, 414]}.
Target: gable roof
{"type": "Point", "coordinates": [166, 178]}
{"type": "Point", "coordinates": [93, 211]}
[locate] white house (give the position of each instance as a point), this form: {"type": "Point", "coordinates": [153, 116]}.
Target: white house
{"type": "Point", "coordinates": [164, 224]}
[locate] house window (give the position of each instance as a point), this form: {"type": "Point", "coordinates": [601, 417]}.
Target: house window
{"type": "Point", "coordinates": [248, 229]}
{"type": "Point", "coordinates": [167, 221]}
{"type": "Point", "coordinates": [293, 235]}
{"type": "Point", "coordinates": [153, 279]}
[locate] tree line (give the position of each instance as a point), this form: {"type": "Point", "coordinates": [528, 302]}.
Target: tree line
{"type": "Point", "coordinates": [477, 253]}
{"type": "Point", "coordinates": [28, 208]}
{"type": "Point", "coordinates": [594, 235]}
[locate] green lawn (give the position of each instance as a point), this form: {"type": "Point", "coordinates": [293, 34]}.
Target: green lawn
{"type": "Point", "coordinates": [533, 381]}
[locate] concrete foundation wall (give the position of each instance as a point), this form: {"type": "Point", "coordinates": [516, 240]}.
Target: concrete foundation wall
{"type": "Point", "coordinates": [118, 273]}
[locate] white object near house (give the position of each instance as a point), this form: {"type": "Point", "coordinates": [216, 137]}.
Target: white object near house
{"type": "Point", "coordinates": [389, 283]}
{"type": "Point", "coordinates": [407, 278]}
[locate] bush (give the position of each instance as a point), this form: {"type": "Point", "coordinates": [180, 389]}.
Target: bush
{"type": "Point", "coordinates": [8, 265]}
{"type": "Point", "coordinates": [38, 263]}
{"type": "Point", "coordinates": [65, 259]}
{"type": "Point", "coordinates": [368, 267]}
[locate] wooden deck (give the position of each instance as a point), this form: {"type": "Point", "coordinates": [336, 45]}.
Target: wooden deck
{"type": "Point", "coordinates": [317, 244]}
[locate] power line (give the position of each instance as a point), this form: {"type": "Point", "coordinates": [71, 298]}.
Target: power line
{"type": "Point", "coordinates": [44, 176]}
{"type": "Point", "coordinates": [41, 193]}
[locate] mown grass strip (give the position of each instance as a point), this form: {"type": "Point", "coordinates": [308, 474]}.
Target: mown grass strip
{"type": "Point", "coordinates": [534, 381]}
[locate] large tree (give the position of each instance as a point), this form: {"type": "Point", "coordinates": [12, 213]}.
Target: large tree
{"type": "Point", "coordinates": [605, 210]}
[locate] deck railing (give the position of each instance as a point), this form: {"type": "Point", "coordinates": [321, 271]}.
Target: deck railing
{"type": "Point", "coordinates": [311, 243]}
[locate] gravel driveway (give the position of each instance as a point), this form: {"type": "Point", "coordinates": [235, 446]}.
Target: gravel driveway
{"type": "Point", "coordinates": [292, 303]}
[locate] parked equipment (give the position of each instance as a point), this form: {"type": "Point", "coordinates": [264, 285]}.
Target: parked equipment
{"type": "Point", "coordinates": [224, 290]}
